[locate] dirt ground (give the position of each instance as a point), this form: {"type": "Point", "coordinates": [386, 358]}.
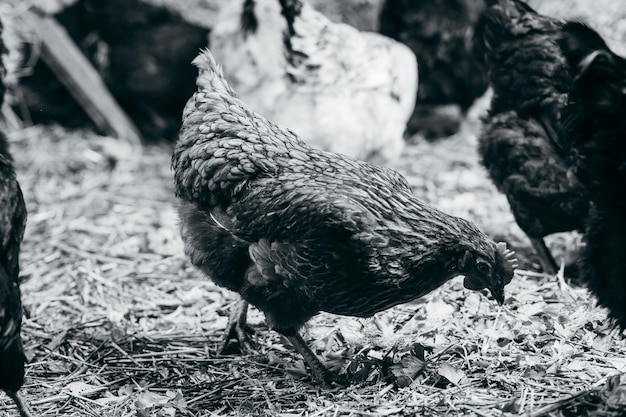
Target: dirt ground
{"type": "Point", "coordinates": [118, 323]}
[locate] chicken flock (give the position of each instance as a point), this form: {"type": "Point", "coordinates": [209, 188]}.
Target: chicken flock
{"type": "Point", "coordinates": [277, 206]}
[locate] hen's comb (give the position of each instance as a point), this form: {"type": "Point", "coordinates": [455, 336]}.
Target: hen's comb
{"type": "Point", "coordinates": [508, 254]}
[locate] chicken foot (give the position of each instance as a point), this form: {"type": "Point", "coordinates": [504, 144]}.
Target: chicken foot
{"type": "Point", "coordinates": [237, 328]}
{"type": "Point", "coordinates": [548, 264]}
{"type": "Point", "coordinates": [319, 371]}
{"type": "Point", "coordinates": [22, 406]}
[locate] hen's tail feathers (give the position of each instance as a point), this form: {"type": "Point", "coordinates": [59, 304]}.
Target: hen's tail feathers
{"type": "Point", "coordinates": [290, 9]}
{"type": "Point", "coordinates": [210, 74]}
{"type": "Point", "coordinates": [512, 8]}
{"type": "Point", "coordinates": [490, 30]}
{"type": "Point", "coordinates": [494, 23]}
{"type": "Point", "coordinates": [249, 21]}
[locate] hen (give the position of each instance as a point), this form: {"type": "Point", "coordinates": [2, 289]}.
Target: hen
{"type": "Point", "coordinates": [440, 34]}
{"type": "Point", "coordinates": [12, 224]}
{"type": "Point", "coordinates": [296, 230]}
{"type": "Point", "coordinates": [341, 89]}
{"type": "Point", "coordinates": [594, 132]}
{"type": "Point", "coordinates": [519, 142]}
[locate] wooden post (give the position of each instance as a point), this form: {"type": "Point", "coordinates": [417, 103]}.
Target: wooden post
{"type": "Point", "coordinates": [81, 79]}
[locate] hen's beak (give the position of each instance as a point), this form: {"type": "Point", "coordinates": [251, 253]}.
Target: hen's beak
{"type": "Point", "coordinates": [498, 294]}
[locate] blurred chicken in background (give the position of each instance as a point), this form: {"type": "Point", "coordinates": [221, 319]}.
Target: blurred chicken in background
{"type": "Point", "coordinates": [440, 33]}
{"type": "Point", "coordinates": [519, 142]}
{"type": "Point", "coordinates": [340, 89]}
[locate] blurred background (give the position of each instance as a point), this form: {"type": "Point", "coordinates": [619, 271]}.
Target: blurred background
{"type": "Point", "coordinates": [142, 50]}
{"type": "Point", "coordinates": [95, 92]}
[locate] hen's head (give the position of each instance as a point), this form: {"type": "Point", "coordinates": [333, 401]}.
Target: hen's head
{"type": "Point", "coordinates": [493, 269]}
{"type": "Point", "coordinates": [599, 73]}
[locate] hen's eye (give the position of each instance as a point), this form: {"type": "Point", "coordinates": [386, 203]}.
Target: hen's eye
{"type": "Point", "coordinates": [483, 267]}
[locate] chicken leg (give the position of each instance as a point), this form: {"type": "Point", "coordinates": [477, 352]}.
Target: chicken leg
{"type": "Point", "coordinates": [548, 264]}
{"type": "Point", "coordinates": [319, 371]}
{"type": "Point", "coordinates": [22, 406]}
{"type": "Point", "coordinates": [237, 328]}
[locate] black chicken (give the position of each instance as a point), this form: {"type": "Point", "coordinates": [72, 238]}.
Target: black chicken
{"type": "Point", "coordinates": [147, 56]}
{"type": "Point", "coordinates": [296, 231]}
{"type": "Point", "coordinates": [594, 132]}
{"type": "Point", "coordinates": [519, 141]}
{"type": "Point", "coordinates": [440, 33]}
{"type": "Point", "coordinates": [12, 224]}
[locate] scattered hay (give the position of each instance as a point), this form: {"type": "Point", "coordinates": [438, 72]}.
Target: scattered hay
{"type": "Point", "coordinates": [118, 323]}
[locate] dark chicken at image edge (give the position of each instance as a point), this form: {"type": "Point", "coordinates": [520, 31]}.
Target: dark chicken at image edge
{"type": "Point", "coordinates": [12, 225]}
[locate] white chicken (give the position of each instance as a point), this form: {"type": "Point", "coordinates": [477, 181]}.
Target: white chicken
{"type": "Point", "coordinates": [340, 89]}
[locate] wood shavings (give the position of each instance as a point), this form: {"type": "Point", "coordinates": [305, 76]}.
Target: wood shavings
{"type": "Point", "coordinates": [116, 332]}
{"type": "Point", "coordinates": [118, 323]}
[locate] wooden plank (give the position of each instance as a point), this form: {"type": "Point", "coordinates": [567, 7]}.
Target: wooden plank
{"type": "Point", "coordinates": [82, 80]}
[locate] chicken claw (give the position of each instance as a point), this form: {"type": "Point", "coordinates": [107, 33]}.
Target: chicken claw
{"type": "Point", "coordinates": [237, 328]}
{"type": "Point", "coordinates": [22, 406]}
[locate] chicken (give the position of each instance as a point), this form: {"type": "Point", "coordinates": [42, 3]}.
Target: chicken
{"type": "Point", "coordinates": [594, 130]}
{"type": "Point", "coordinates": [519, 142]}
{"type": "Point", "coordinates": [296, 230]}
{"type": "Point", "coordinates": [145, 61]}
{"type": "Point", "coordinates": [342, 90]}
{"type": "Point", "coordinates": [12, 224]}
{"type": "Point", "coordinates": [451, 76]}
